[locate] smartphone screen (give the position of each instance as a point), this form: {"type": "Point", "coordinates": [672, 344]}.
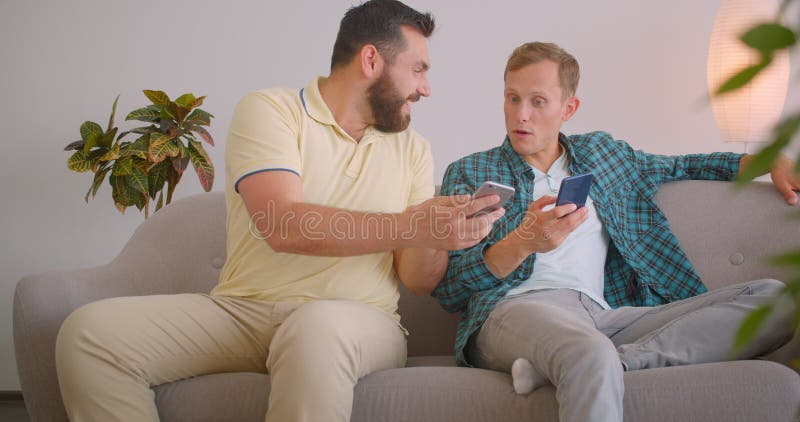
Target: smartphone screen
{"type": "Point", "coordinates": [575, 190]}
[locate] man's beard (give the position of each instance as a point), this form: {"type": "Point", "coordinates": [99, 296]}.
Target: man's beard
{"type": "Point", "coordinates": [387, 103]}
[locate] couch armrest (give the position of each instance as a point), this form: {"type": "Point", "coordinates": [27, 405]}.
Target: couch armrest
{"type": "Point", "coordinates": [180, 249]}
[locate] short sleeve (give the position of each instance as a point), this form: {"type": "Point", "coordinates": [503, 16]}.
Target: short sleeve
{"type": "Point", "coordinates": [263, 136]}
{"type": "Point", "coordinates": [422, 186]}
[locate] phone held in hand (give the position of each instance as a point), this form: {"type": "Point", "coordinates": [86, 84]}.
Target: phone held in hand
{"type": "Point", "coordinates": [488, 188]}
{"type": "Point", "coordinates": [575, 190]}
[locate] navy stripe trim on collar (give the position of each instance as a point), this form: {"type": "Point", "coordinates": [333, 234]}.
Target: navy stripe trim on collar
{"type": "Point", "coordinates": [303, 100]}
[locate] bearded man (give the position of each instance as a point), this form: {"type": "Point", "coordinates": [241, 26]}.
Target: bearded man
{"type": "Point", "coordinates": [329, 207]}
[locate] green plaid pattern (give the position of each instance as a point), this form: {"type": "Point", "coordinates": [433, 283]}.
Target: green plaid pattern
{"type": "Point", "coordinates": [645, 265]}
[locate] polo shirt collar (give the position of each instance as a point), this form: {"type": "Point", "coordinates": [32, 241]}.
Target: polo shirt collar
{"type": "Point", "coordinates": [317, 109]}
{"type": "Point", "coordinates": [314, 105]}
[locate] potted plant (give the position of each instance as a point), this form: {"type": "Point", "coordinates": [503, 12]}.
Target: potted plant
{"type": "Point", "coordinates": [139, 170]}
{"type": "Point", "coordinates": [767, 39]}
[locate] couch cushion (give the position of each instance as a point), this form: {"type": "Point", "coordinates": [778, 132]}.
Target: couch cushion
{"type": "Point", "coordinates": [730, 391]}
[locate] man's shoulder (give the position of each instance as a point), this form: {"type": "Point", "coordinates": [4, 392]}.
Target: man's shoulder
{"type": "Point", "coordinates": [592, 139]}
{"type": "Point", "coordinates": [275, 94]}
{"type": "Point", "coordinates": [598, 143]}
{"type": "Point", "coordinates": [282, 104]}
{"type": "Point", "coordinates": [489, 157]}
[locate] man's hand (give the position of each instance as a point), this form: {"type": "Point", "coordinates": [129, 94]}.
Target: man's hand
{"type": "Point", "coordinates": [786, 180]}
{"type": "Point", "coordinates": [539, 231]}
{"type": "Point", "coordinates": [543, 231]}
{"type": "Point", "coordinates": [441, 222]}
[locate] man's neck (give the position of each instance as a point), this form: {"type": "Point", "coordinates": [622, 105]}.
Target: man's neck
{"type": "Point", "coordinates": [347, 103]}
{"type": "Point", "coordinates": [545, 158]}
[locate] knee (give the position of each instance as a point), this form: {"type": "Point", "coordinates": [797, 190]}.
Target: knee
{"type": "Point", "coordinates": [590, 353]}
{"type": "Point", "coordinates": [89, 324]}
{"type": "Point", "coordinates": [326, 323]}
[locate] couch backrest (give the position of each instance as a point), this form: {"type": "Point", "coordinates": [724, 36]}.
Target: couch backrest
{"type": "Point", "coordinates": [727, 235]}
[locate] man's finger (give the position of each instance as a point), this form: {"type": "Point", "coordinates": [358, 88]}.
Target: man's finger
{"type": "Point", "coordinates": [560, 211]}
{"type": "Point", "coordinates": [542, 202]}
{"type": "Point", "coordinates": [480, 203]}
{"type": "Point", "coordinates": [451, 201]}
{"type": "Point", "coordinates": [572, 221]}
{"type": "Point", "coordinates": [484, 222]}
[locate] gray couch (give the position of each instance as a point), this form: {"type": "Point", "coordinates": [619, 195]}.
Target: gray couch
{"type": "Point", "coordinates": [180, 249]}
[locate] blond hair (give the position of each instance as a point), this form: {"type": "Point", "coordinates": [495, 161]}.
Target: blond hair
{"type": "Point", "coordinates": [535, 52]}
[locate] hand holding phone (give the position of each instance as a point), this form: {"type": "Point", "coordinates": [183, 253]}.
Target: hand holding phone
{"type": "Point", "coordinates": [488, 188]}
{"type": "Point", "coordinates": [575, 190]}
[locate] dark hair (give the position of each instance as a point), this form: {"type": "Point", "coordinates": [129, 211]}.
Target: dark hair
{"type": "Point", "coordinates": [378, 22]}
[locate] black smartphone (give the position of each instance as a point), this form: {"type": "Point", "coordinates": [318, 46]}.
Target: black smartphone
{"type": "Point", "coordinates": [575, 190]}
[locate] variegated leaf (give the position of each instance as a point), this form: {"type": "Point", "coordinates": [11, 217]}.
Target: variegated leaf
{"type": "Point", "coordinates": [79, 162]}
{"type": "Point", "coordinates": [197, 103]}
{"type": "Point", "coordinates": [144, 114]}
{"type": "Point", "coordinates": [199, 117]}
{"type": "Point", "coordinates": [179, 164]}
{"type": "Point", "coordinates": [119, 192]}
{"type": "Point", "coordinates": [162, 151]}
{"type": "Point", "coordinates": [180, 113]}
{"type": "Point", "coordinates": [88, 128]}
{"type": "Point", "coordinates": [108, 138]}
{"type": "Point", "coordinates": [160, 202]}
{"type": "Point", "coordinates": [137, 180]}
{"type": "Point", "coordinates": [203, 133]}
{"type": "Point", "coordinates": [185, 100]}
{"type": "Point", "coordinates": [166, 114]}
{"type": "Point", "coordinates": [175, 148]}
{"type": "Point", "coordinates": [96, 183]}
{"type": "Point", "coordinates": [156, 177]}
{"type": "Point", "coordinates": [173, 177]}
{"type": "Point", "coordinates": [159, 98]}
{"type": "Point", "coordinates": [113, 113]}
{"type": "Point", "coordinates": [137, 148]}
{"type": "Point", "coordinates": [158, 138]}
{"type": "Point", "coordinates": [92, 140]}
{"type": "Point", "coordinates": [77, 145]}
{"type": "Point", "coordinates": [123, 166]}
{"type": "Point", "coordinates": [112, 154]}
{"type": "Point", "coordinates": [202, 165]}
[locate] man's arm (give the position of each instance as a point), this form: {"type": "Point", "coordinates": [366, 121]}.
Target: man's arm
{"type": "Point", "coordinates": [487, 264]}
{"type": "Point", "coordinates": [540, 231]}
{"type": "Point", "coordinates": [420, 269]}
{"type": "Point", "coordinates": [783, 175]}
{"type": "Point", "coordinates": [289, 225]}
{"type": "Point", "coordinates": [666, 168]}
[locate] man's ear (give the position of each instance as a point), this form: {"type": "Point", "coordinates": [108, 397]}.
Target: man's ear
{"type": "Point", "coordinates": [371, 61]}
{"type": "Point", "coordinates": [572, 105]}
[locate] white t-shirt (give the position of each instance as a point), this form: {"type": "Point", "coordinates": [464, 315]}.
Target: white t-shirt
{"type": "Point", "coordinates": [578, 263]}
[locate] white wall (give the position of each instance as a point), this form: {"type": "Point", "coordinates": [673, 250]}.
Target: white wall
{"type": "Point", "coordinates": [643, 66]}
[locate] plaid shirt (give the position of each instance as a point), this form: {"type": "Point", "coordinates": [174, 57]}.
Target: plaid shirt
{"type": "Point", "coordinates": [645, 264]}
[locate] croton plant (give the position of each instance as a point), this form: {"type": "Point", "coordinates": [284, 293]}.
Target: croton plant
{"type": "Point", "coordinates": [139, 170]}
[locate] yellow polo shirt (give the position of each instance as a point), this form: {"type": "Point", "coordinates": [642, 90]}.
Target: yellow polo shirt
{"type": "Point", "coordinates": [294, 130]}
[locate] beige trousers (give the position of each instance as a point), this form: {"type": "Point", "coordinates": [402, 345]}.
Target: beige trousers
{"type": "Point", "coordinates": [110, 353]}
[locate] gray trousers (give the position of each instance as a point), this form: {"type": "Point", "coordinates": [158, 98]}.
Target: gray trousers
{"type": "Point", "coordinates": [583, 349]}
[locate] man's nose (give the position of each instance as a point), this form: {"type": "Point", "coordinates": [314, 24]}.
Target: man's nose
{"type": "Point", "coordinates": [523, 114]}
{"type": "Point", "coordinates": [424, 88]}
